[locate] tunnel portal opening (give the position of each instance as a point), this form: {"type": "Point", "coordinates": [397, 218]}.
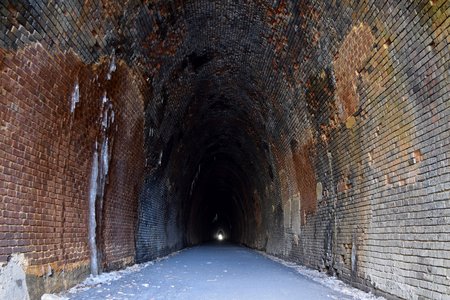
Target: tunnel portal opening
{"type": "Point", "coordinates": [221, 145]}
{"type": "Point", "coordinates": [217, 202]}
{"type": "Point", "coordinates": [210, 174]}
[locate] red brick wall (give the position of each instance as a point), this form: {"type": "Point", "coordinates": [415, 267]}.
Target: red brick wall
{"type": "Point", "coordinates": [46, 157]}
{"type": "Point", "coordinates": [126, 170]}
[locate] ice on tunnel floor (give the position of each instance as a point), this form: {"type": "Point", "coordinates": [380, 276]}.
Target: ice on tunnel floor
{"type": "Point", "coordinates": [105, 279]}
{"type": "Point", "coordinates": [324, 279]}
{"type": "Point", "coordinates": [128, 287]}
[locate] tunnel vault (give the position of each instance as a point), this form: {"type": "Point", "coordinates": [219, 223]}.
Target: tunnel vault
{"type": "Point", "coordinates": [316, 131]}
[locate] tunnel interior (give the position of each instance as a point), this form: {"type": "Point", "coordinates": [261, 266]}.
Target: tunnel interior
{"type": "Point", "coordinates": [315, 131]}
{"type": "Point", "coordinates": [215, 130]}
{"type": "Point", "coordinates": [223, 154]}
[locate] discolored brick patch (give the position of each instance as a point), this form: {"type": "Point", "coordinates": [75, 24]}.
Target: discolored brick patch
{"type": "Point", "coordinates": [350, 59]}
{"type": "Point", "coordinates": [306, 178]}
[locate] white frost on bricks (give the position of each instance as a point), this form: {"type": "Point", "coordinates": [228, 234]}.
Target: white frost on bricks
{"type": "Point", "coordinates": [75, 97]}
{"type": "Point", "coordinates": [112, 65]}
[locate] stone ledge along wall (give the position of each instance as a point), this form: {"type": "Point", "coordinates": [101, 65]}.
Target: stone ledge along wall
{"type": "Point", "coordinates": [325, 122]}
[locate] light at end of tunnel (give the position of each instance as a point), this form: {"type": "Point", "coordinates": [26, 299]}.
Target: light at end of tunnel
{"type": "Point", "coordinates": [220, 235]}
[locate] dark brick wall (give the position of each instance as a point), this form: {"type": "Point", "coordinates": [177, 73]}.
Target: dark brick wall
{"type": "Point", "coordinates": [377, 111]}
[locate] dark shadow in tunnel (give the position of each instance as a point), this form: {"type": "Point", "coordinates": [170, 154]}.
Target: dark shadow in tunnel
{"type": "Point", "coordinates": [213, 166]}
{"type": "Point", "coordinates": [217, 202]}
{"type": "Point", "coordinates": [227, 165]}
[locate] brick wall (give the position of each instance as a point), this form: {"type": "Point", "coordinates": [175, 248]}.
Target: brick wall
{"type": "Point", "coordinates": [378, 111]}
{"type": "Point", "coordinates": [126, 170]}
{"type": "Point", "coordinates": [46, 157]}
{"type": "Point", "coordinates": [42, 171]}
{"type": "Point", "coordinates": [332, 119]}
{"type": "Point", "coordinates": [66, 89]}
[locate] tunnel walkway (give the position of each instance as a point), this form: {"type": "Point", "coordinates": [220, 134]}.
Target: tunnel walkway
{"type": "Point", "coordinates": [213, 271]}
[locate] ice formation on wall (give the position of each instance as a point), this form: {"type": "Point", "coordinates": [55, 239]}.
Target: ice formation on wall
{"type": "Point", "coordinates": [92, 217]}
{"type": "Point", "coordinates": [75, 97]}
{"type": "Point", "coordinates": [99, 173]}
{"type": "Point", "coordinates": [112, 65]}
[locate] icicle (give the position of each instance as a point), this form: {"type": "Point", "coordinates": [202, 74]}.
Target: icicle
{"type": "Point", "coordinates": [105, 158]}
{"type": "Point", "coordinates": [75, 97]}
{"type": "Point", "coordinates": [104, 98]}
{"type": "Point", "coordinates": [105, 120]}
{"type": "Point", "coordinates": [104, 114]}
{"type": "Point", "coordinates": [92, 223]}
{"type": "Point", "coordinates": [160, 158]}
{"type": "Point", "coordinates": [112, 65]}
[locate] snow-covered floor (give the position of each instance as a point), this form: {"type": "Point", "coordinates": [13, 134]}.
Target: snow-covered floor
{"type": "Point", "coordinates": [216, 271]}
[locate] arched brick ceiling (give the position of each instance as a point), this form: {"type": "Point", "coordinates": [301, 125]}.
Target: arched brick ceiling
{"type": "Point", "coordinates": [303, 122]}
{"type": "Point", "coordinates": [218, 94]}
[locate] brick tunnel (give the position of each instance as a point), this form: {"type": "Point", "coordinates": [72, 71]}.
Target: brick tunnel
{"type": "Point", "coordinates": [314, 131]}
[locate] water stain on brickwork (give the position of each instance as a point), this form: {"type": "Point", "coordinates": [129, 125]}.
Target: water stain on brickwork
{"type": "Point", "coordinates": [279, 17]}
{"type": "Point", "coordinates": [349, 60]}
{"type": "Point", "coordinates": [166, 37]}
{"type": "Point", "coordinates": [306, 177]}
{"type": "Point", "coordinates": [319, 96]}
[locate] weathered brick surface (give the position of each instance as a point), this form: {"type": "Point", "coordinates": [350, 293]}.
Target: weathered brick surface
{"type": "Point", "coordinates": [42, 173]}
{"type": "Point", "coordinates": [46, 151]}
{"type": "Point", "coordinates": [323, 127]}
{"type": "Point", "coordinates": [381, 222]}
